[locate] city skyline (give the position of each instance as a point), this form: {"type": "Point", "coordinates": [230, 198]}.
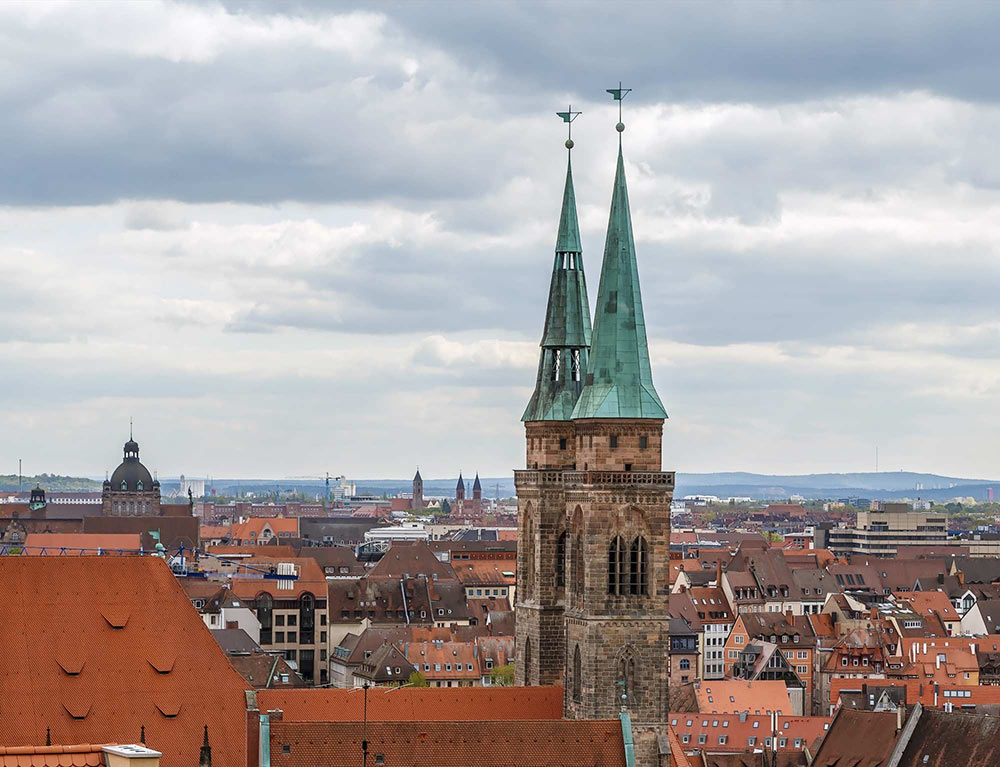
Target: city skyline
{"type": "Point", "coordinates": [331, 254]}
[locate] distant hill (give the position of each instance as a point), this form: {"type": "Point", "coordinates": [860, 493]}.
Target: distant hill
{"type": "Point", "coordinates": [885, 485]}
{"type": "Point", "coordinates": [51, 483]}
{"type": "Point", "coordinates": [883, 480]}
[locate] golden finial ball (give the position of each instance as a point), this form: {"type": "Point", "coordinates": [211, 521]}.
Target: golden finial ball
{"type": "Point", "coordinates": [620, 127]}
{"type": "Point", "coordinates": [569, 143]}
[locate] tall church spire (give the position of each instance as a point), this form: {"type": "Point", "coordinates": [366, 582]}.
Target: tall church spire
{"type": "Point", "coordinates": [619, 381]}
{"type": "Point", "coordinates": [566, 337]}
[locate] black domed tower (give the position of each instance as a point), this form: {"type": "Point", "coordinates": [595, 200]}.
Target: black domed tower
{"type": "Point", "coordinates": [131, 491]}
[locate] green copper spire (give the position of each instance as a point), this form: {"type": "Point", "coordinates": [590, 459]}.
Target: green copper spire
{"type": "Point", "coordinates": [566, 338]}
{"type": "Point", "coordinates": [568, 239]}
{"type": "Point", "coordinates": [619, 381]}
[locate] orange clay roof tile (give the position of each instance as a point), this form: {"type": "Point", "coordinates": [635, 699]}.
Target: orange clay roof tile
{"type": "Point", "coordinates": [69, 607]}
{"type": "Point", "coordinates": [415, 704]}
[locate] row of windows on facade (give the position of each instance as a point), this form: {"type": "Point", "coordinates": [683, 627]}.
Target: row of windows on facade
{"type": "Point", "coordinates": [131, 507]}
{"type": "Point", "coordinates": [502, 592]}
{"type": "Point", "coordinates": [612, 442]}
{"type": "Point", "coordinates": [389, 614]}
{"type": "Point", "coordinates": [306, 618]}
{"type": "Point", "coordinates": [751, 741]}
{"type": "Point", "coordinates": [138, 485]}
{"type": "Point", "coordinates": [448, 666]}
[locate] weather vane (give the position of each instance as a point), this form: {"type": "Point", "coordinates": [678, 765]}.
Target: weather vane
{"type": "Point", "coordinates": [619, 93]}
{"type": "Point", "coordinates": [568, 118]}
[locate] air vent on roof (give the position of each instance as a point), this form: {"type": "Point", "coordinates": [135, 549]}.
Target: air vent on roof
{"type": "Point", "coordinates": [117, 618]}
{"type": "Point", "coordinates": [163, 663]}
{"type": "Point", "coordinates": [169, 708]}
{"type": "Point", "coordinates": [77, 709]}
{"type": "Point", "coordinates": [71, 665]}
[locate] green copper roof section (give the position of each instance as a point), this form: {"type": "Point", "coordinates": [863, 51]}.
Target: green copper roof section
{"type": "Point", "coordinates": [619, 381]}
{"type": "Point", "coordinates": [568, 239]}
{"type": "Point", "coordinates": [565, 341]}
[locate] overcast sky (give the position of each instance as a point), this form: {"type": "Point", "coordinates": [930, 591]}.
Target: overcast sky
{"type": "Point", "coordinates": [289, 238]}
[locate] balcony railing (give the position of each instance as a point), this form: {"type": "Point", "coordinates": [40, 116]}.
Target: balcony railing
{"type": "Point", "coordinates": [567, 478]}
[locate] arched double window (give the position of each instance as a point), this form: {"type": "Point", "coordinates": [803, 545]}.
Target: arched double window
{"type": "Point", "coordinates": [638, 568]}
{"type": "Point", "coordinates": [561, 560]}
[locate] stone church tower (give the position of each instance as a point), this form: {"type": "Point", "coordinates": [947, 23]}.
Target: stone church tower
{"type": "Point", "coordinates": [418, 491]}
{"type": "Point", "coordinates": [593, 504]}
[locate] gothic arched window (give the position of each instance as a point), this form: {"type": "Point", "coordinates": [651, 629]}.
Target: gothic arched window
{"type": "Point", "coordinates": [638, 582]}
{"type": "Point", "coordinates": [577, 675]}
{"type": "Point", "coordinates": [529, 558]}
{"type": "Point", "coordinates": [578, 575]}
{"type": "Point", "coordinates": [616, 566]}
{"type": "Point", "coordinates": [527, 660]}
{"type": "Point", "coordinates": [625, 688]}
{"type": "Point", "coordinates": [561, 560]}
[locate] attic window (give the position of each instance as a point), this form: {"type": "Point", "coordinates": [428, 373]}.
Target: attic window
{"type": "Point", "coordinates": [124, 485]}
{"type": "Point", "coordinates": [286, 748]}
{"type": "Point", "coordinates": [379, 758]}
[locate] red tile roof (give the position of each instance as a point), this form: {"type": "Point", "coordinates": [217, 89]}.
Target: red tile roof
{"type": "Point", "coordinates": [70, 544]}
{"type": "Point", "coordinates": [733, 696]}
{"type": "Point", "coordinates": [409, 704]}
{"type": "Point", "coordinates": [561, 743]}
{"type": "Point", "coordinates": [84, 755]}
{"type": "Point", "coordinates": [310, 578]}
{"type": "Point", "coordinates": [485, 572]}
{"type": "Point", "coordinates": [95, 648]}
{"type": "Point", "coordinates": [737, 729]}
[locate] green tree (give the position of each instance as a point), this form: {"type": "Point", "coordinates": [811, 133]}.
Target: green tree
{"type": "Point", "coordinates": [445, 507]}
{"type": "Point", "coordinates": [417, 679]}
{"type": "Point", "coordinates": [503, 676]}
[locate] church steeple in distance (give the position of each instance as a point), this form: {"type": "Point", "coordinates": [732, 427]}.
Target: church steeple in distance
{"type": "Point", "coordinates": [619, 381]}
{"type": "Point", "coordinates": [565, 340]}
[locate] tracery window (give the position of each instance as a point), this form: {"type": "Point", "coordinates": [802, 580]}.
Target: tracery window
{"type": "Point", "coordinates": [638, 568]}
{"type": "Point", "coordinates": [617, 571]}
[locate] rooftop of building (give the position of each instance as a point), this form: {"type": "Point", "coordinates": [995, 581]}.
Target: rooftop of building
{"type": "Point", "coordinates": [489, 743]}
{"type": "Point", "coordinates": [412, 704]}
{"type": "Point", "coordinates": [96, 648]}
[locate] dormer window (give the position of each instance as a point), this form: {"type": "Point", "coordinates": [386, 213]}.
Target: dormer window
{"type": "Point", "coordinates": [124, 485]}
{"type": "Point", "coordinates": [138, 485]}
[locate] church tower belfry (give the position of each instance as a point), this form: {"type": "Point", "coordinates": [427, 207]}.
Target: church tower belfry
{"type": "Point", "coordinates": [594, 519]}
{"type": "Point", "coordinates": [562, 361]}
